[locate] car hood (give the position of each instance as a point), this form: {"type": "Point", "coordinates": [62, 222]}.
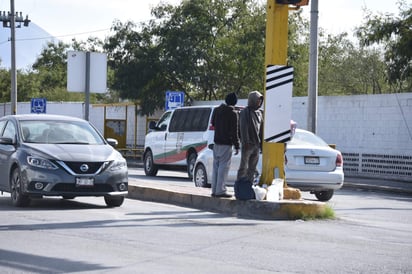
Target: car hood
{"type": "Point", "coordinates": [72, 152]}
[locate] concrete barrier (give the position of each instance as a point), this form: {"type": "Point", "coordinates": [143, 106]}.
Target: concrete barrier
{"type": "Point", "coordinates": [263, 210]}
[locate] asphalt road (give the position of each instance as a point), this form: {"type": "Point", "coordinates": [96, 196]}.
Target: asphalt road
{"type": "Point", "coordinates": [371, 235]}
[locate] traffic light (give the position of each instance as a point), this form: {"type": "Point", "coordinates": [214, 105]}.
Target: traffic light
{"type": "Point", "coordinates": [293, 2]}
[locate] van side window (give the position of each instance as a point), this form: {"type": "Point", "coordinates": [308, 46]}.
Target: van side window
{"type": "Point", "coordinates": [193, 119]}
{"type": "Point", "coordinates": [164, 121]}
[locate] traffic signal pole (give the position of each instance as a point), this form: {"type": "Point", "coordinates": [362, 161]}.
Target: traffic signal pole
{"type": "Point", "coordinates": [276, 49]}
{"type": "Point", "coordinates": [276, 45]}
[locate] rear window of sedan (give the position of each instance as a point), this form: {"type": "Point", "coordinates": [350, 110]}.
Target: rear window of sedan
{"type": "Point", "coordinates": [306, 138]}
{"type": "Point", "coordinates": [59, 132]}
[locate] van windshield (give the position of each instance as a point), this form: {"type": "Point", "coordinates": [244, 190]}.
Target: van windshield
{"type": "Point", "coordinates": [164, 121]}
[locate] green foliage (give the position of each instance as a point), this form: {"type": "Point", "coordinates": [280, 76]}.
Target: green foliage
{"type": "Point", "coordinates": [298, 51]}
{"type": "Point", "coordinates": [208, 48]}
{"type": "Point", "coordinates": [205, 48]}
{"type": "Point", "coordinates": [395, 34]}
{"type": "Point", "coordinates": [345, 69]}
{"type": "Point", "coordinates": [5, 85]}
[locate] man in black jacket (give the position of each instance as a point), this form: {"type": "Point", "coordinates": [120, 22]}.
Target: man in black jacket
{"type": "Point", "coordinates": [225, 121]}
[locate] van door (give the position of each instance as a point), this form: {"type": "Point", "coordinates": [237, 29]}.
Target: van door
{"type": "Point", "coordinates": [187, 131]}
{"type": "Point", "coordinates": [156, 139]}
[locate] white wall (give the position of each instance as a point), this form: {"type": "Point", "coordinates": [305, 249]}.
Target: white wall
{"type": "Point", "coordinates": [374, 132]}
{"type": "Point", "coordinates": [362, 123]}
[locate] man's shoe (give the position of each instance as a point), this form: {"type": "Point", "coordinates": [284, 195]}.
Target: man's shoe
{"type": "Point", "coordinates": [223, 195]}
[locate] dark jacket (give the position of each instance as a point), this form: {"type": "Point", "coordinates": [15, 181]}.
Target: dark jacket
{"type": "Point", "coordinates": [225, 121]}
{"type": "Point", "coordinates": [251, 120]}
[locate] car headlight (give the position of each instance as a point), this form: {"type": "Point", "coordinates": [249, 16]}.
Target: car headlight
{"type": "Point", "coordinates": [117, 165]}
{"type": "Point", "coordinates": [40, 162]}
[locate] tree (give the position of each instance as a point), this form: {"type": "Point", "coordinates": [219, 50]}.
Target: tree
{"type": "Point", "coordinates": [204, 48]}
{"type": "Point", "coordinates": [395, 34]}
{"type": "Point", "coordinates": [298, 51]}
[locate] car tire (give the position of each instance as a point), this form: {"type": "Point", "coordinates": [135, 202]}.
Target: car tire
{"type": "Point", "coordinates": [113, 201]}
{"type": "Point", "coordinates": [191, 160]}
{"type": "Point", "coordinates": [324, 195]}
{"type": "Point", "coordinates": [18, 199]}
{"type": "Point", "coordinates": [200, 176]}
{"type": "Point", "coordinates": [68, 197]}
{"type": "Point", "coordinates": [150, 169]}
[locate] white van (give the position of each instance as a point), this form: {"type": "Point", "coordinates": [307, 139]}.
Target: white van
{"type": "Point", "coordinates": [177, 138]}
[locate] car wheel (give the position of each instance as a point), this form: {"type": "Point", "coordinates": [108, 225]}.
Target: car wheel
{"type": "Point", "coordinates": [200, 176]}
{"type": "Point", "coordinates": [324, 196]}
{"type": "Point", "coordinates": [150, 169]}
{"type": "Point", "coordinates": [113, 201]}
{"type": "Point", "coordinates": [17, 197]}
{"type": "Point", "coordinates": [191, 160]}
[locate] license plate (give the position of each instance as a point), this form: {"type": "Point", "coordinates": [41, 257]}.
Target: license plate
{"type": "Point", "coordinates": [84, 181]}
{"type": "Point", "coordinates": [312, 160]}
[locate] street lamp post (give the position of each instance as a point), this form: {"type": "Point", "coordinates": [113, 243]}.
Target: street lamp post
{"type": "Point", "coordinates": [9, 21]}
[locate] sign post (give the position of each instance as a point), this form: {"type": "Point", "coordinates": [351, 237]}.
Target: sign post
{"type": "Point", "coordinates": [86, 72]}
{"type": "Point", "coordinates": [174, 99]}
{"type": "Point", "coordinates": [38, 105]}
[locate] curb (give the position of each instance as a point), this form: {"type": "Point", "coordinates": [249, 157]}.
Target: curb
{"type": "Point", "coordinates": [370, 187]}
{"type": "Point", "coordinates": [263, 210]}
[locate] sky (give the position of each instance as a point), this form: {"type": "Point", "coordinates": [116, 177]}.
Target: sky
{"type": "Point", "coordinates": [66, 19]}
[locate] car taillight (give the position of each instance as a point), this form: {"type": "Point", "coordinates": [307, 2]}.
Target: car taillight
{"type": "Point", "coordinates": [211, 127]}
{"type": "Point", "coordinates": [339, 160]}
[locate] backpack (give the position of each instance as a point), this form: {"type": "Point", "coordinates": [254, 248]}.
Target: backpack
{"type": "Point", "coordinates": [243, 189]}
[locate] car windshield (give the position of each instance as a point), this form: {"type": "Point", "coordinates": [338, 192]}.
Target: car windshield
{"type": "Point", "coordinates": [59, 132]}
{"type": "Point", "coordinates": [306, 138]}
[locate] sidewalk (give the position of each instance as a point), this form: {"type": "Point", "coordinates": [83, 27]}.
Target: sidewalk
{"type": "Point", "coordinates": [399, 187]}
{"type": "Point", "coordinates": [196, 197]}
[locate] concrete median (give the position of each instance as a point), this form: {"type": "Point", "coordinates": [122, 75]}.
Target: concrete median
{"type": "Point", "coordinates": [200, 199]}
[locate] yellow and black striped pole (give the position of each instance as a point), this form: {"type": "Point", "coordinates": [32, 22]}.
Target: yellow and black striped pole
{"type": "Point", "coordinates": [276, 47]}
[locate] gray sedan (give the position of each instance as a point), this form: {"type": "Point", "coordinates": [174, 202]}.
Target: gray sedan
{"type": "Point", "coordinates": [310, 165]}
{"type": "Point", "coordinates": [53, 155]}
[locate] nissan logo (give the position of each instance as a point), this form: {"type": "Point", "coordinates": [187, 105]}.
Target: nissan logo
{"type": "Point", "coordinates": [84, 167]}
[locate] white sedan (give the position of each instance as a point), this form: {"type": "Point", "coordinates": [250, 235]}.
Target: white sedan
{"type": "Point", "coordinates": [310, 165]}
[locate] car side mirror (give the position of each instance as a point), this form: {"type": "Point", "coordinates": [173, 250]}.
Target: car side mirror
{"type": "Point", "coordinates": [112, 142]}
{"type": "Point", "coordinates": [6, 141]}
{"type": "Point", "coordinates": [152, 125]}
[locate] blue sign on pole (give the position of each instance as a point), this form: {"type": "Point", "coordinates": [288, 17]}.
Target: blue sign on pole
{"type": "Point", "coordinates": [174, 99]}
{"type": "Point", "coordinates": [38, 105]}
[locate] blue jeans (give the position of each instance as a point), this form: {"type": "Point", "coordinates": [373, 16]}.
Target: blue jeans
{"type": "Point", "coordinates": [222, 155]}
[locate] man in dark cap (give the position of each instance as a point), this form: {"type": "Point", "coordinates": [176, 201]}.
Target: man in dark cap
{"type": "Point", "coordinates": [225, 122]}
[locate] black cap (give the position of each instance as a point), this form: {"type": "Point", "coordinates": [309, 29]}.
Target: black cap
{"type": "Point", "coordinates": [231, 99]}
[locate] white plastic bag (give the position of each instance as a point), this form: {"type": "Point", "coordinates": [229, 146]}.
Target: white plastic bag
{"type": "Point", "coordinates": [260, 192]}
{"type": "Point", "coordinates": [275, 190]}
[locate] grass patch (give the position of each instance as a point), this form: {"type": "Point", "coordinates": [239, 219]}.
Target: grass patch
{"type": "Point", "coordinates": [311, 212]}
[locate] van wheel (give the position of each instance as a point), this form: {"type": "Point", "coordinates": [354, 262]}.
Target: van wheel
{"type": "Point", "coordinates": [17, 197]}
{"type": "Point", "coordinates": [200, 176]}
{"type": "Point", "coordinates": [191, 160]}
{"type": "Point", "coordinates": [150, 169]}
{"type": "Point", "coordinates": [324, 196]}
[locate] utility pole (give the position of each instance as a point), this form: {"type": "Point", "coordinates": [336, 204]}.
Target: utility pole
{"type": "Point", "coordinates": [313, 68]}
{"type": "Point", "coordinates": [9, 21]}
